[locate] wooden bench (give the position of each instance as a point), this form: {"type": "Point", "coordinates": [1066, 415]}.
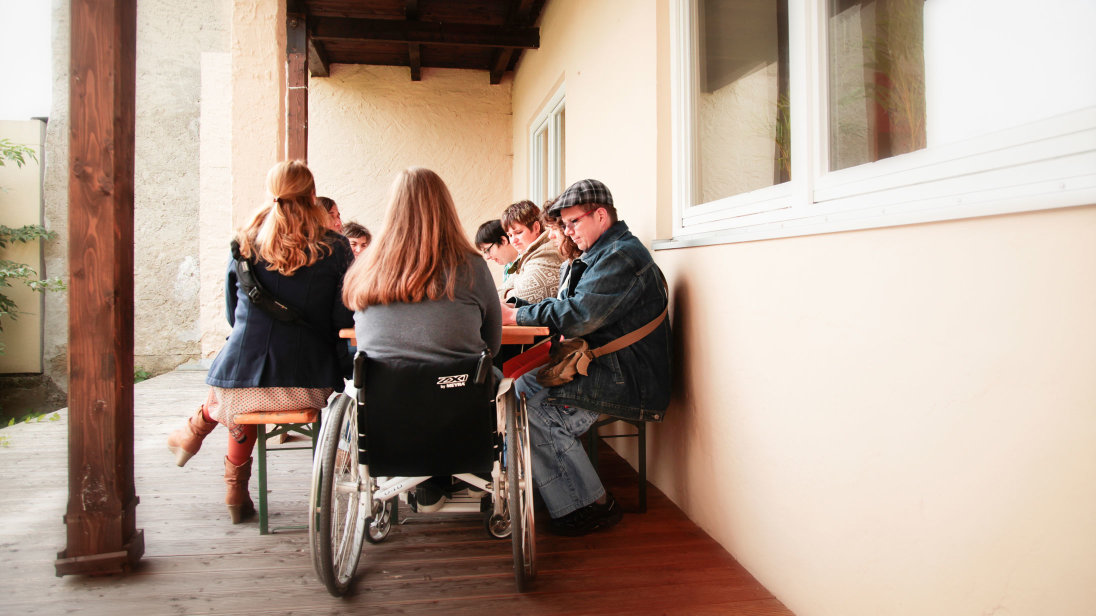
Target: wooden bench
{"type": "Point", "coordinates": [305, 422]}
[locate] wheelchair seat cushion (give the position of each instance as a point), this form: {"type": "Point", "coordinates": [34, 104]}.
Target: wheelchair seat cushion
{"type": "Point", "coordinates": [427, 419]}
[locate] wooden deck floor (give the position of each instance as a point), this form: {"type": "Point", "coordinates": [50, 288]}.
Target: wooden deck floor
{"type": "Point", "coordinates": [196, 562]}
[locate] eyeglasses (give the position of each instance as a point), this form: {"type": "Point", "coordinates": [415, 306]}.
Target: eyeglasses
{"type": "Point", "coordinates": [487, 251]}
{"type": "Point", "coordinates": [569, 225]}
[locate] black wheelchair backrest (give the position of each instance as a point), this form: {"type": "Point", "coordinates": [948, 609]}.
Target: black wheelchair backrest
{"type": "Point", "coordinates": [426, 418]}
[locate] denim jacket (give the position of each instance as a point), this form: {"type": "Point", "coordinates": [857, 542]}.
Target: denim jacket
{"type": "Point", "coordinates": [615, 288]}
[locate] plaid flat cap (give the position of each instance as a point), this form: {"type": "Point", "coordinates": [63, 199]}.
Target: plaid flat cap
{"type": "Point", "coordinates": [582, 192]}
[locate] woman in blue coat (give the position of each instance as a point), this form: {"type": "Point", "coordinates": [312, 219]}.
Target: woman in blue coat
{"type": "Point", "coordinates": [270, 364]}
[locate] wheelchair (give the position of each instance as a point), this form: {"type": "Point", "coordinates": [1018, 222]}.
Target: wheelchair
{"type": "Point", "coordinates": [398, 424]}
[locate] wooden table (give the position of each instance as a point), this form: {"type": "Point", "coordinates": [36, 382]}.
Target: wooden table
{"type": "Point", "coordinates": [511, 334]}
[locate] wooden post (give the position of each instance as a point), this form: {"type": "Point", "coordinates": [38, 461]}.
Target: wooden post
{"type": "Point", "coordinates": [296, 77]}
{"type": "Point", "coordinates": [101, 515]}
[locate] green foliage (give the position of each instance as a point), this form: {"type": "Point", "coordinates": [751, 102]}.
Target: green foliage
{"type": "Point", "coordinates": [140, 374]}
{"type": "Point", "coordinates": [36, 417]}
{"type": "Point", "coordinates": [15, 152]}
{"type": "Point", "coordinates": [11, 270]}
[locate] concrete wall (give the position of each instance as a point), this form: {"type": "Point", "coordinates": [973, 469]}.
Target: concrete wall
{"type": "Point", "coordinates": [171, 37]}
{"type": "Point", "coordinates": [896, 421]}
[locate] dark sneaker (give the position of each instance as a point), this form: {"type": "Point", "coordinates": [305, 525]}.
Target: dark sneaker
{"type": "Point", "coordinates": [428, 497]}
{"type": "Point", "coordinates": [593, 517]}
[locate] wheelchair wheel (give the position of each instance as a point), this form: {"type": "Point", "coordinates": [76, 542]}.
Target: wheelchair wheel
{"type": "Point", "coordinates": [520, 486]}
{"type": "Point", "coordinates": [339, 519]}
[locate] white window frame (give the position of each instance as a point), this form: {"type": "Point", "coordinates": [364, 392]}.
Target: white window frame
{"type": "Point", "coordinates": [1045, 164]}
{"type": "Point", "coordinates": [550, 123]}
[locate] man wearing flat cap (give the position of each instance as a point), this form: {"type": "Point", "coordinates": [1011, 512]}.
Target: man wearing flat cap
{"type": "Point", "coordinates": [615, 292]}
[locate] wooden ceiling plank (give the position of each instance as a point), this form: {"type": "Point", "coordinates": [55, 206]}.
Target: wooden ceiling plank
{"type": "Point", "coordinates": [331, 28]}
{"type": "Point", "coordinates": [519, 12]}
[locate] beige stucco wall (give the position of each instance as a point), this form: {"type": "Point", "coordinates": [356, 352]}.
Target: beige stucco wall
{"type": "Point", "coordinates": [367, 123]}
{"type": "Point", "coordinates": [21, 204]}
{"type": "Point", "coordinates": [604, 54]}
{"type": "Point", "coordinates": [896, 421]}
{"type": "Point", "coordinates": [171, 37]}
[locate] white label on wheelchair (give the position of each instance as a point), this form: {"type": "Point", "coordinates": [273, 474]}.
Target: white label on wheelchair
{"type": "Point", "coordinates": [449, 382]}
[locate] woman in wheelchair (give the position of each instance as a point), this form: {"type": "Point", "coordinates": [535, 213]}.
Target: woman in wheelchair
{"type": "Point", "coordinates": [274, 360]}
{"type": "Point", "coordinates": [423, 293]}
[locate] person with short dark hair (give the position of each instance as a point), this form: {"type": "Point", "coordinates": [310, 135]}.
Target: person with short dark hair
{"type": "Point", "coordinates": [492, 241]}
{"type": "Point", "coordinates": [359, 236]}
{"type": "Point", "coordinates": [614, 289]}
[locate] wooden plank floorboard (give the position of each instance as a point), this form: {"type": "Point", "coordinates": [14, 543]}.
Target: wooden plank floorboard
{"type": "Point", "coordinates": [196, 562]}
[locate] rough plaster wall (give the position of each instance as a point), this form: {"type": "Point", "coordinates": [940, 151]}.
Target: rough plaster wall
{"type": "Point", "coordinates": [55, 193]}
{"type": "Point", "coordinates": [258, 100]}
{"type": "Point", "coordinates": [170, 39]}
{"type": "Point", "coordinates": [215, 220]}
{"type": "Point", "coordinates": [367, 123]}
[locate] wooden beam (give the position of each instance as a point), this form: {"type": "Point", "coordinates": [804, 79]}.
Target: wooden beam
{"type": "Point", "coordinates": [414, 60]}
{"type": "Point", "coordinates": [318, 65]}
{"type": "Point", "coordinates": [500, 59]}
{"type": "Point", "coordinates": [100, 519]}
{"type": "Point", "coordinates": [296, 78]}
{"type": "Point", "coordinates": [414, 50]}
{"type": "Point", "coordinates": [433, 33]}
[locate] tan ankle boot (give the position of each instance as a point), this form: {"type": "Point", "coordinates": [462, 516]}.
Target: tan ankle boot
{"type": "Point", "coordinates": [238, 500]}
{"type": "Point", "coordinates": [186, 441]}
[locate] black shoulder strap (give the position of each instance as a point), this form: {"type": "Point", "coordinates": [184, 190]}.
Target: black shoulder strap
{"type": "Point", "coordinates": [258, 295]}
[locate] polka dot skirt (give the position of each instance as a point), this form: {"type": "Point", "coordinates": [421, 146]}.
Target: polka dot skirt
{"type": "Point", "coordinates": [225, 404]}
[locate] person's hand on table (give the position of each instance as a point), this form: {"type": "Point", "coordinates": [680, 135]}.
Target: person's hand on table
{"type": "Point", "coordinates": [509, 314]}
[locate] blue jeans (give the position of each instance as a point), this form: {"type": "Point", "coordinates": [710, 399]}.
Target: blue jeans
{"type": "Point", "coordinates": [561, 469]}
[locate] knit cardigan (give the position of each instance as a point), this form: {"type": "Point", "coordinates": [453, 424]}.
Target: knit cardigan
{"type": "Point", "coordinates": [537, 273]}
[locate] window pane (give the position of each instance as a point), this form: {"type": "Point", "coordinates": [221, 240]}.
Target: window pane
{"type": "Point", "coordinates": [877, 80]}
{"type": "Point", "coordinates": [742, 100]}
{"type": "Point", "coordinates": [541, 166]}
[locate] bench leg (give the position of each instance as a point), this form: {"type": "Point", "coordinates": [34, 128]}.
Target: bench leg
{"type": "Point", "coordinates": [261, 455]}
{"type": "Point", "coordinates": [642, 445]}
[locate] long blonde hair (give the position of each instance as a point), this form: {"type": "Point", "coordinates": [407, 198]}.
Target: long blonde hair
{"type": "Point", "coordinates": [287, 232]}
{"type": "Point", "coordinates": [417, 255]}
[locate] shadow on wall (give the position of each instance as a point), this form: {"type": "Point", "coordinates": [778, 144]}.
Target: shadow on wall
{"type": "Point", "coordinates": [23, 395]}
